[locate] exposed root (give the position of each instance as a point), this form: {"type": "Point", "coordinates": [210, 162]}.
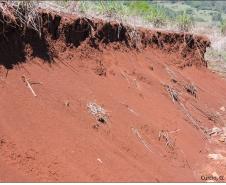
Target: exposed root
{"type": "Point", "coordinates": [191, 89]}
{"type": "Point", "coordinates": [175, 98]}
{"type": "Point", "coordinates": [169, 142]}
{"type": "Point", "coordinates": [173, 93]}
{"type": "Point", "coordinates": [189, 116]}
{"type": "Point", "coordinates": [143, 141]}
{"type": "Point", "coordinates": [22, 13]}
{"type": "Point", "coordinates": [134, 37]}
{"type": "Point", "coordinates": [100, 69]}
{"type": "Point", "coordinates": [209, 115]}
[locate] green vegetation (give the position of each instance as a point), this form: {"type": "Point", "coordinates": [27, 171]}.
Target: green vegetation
{"type": "Point", "coordinates": [181, 14]}
{"type": "Point", "coordinates": [223, 27]}
{"type": "Point", "coordinates": [208, 5]}
{"type": "Point", "coordinates": [150, 12]}
{"type": "Point", "coordinates": [139, 7]}
{"type": "Point", "coordinates": [185, 22]}
{"type": "Point", "coordinates": [111, 8]}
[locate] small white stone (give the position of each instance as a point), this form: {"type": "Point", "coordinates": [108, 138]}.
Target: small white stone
{"type": "Point", "coordinates": [67, 103]}
{"type": "Point", "coordinates": [222, 108]}
{"type": "Point", "coordinates": [99, 160]}
{"type": "Point", "coordinates": [216, 156]}
{"type": "Point", "coordinates": [222, 139]}
{"type": "Point", "coordinates": [215, 131]}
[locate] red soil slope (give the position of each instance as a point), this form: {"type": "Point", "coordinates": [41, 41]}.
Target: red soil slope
{"type": "Point", "coordinates": [54, 137]}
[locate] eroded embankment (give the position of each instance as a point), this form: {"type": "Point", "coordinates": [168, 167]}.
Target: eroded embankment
{"type": "Point", "coordinates": [18, 42]}
{"type": "Point", "coordinates": [113, 107]}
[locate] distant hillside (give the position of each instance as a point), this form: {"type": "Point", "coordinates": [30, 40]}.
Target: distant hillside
{"type": "Point", "coordinates": [212, 12]}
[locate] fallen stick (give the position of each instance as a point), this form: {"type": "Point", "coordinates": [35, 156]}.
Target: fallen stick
{"type": "Point", "coordinates": [143, 141]}
{"type": "Point", "coordinates": [35, 83]}
{"type": "Point", "coordinates": [174, 131]}
{"type": "Point", "coordinates": [28, 85]}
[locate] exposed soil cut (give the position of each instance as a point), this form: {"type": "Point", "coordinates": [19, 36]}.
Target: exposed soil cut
{"type": "Point", "coordinates": [152, 86]}
{"type": "Point", "coordinates": [73, 32]}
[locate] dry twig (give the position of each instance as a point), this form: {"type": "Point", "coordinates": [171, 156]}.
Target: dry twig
{"type": "Point", "coordinates": [21, 13]}
{"type": "Point", "coordinates": [164, 135]}
{"type": "Point", "coordinates": [28, 85]}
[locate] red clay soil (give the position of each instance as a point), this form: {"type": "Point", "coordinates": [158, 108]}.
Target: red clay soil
{"type": "Point", "coordinates": [53, 137]}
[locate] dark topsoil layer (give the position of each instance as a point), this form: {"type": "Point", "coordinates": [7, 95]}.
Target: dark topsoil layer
{"type": "Point", "coordinates": [18, 42]}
